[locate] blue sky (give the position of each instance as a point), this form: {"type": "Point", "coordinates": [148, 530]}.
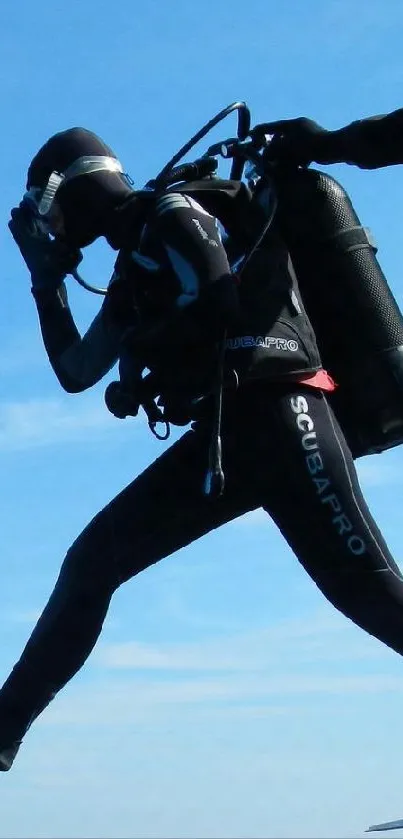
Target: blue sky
{"type": "Point", "coordinates": [226, 697]}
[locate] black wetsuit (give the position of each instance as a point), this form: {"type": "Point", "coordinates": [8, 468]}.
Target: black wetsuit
{"type": "Point", "coordinates": [282, 450]}
{"type": "Point", "coordinates": [368, 143]}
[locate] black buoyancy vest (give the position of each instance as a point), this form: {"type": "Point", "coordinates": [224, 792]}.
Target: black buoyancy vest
{"type": "Point", "coordinates": [273, 338]}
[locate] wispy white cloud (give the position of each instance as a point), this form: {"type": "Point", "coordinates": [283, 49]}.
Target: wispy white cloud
{"type": "Point", "coordinates": [48, 421]}
{"type": "Point", "coordinates": [381, 470]}
{"type": "Point", "coordinates": [323, 637]}
{"type": "Point", "coordinates": [138, 701]}
{"type": "Point", "coordinates": [252, 673]}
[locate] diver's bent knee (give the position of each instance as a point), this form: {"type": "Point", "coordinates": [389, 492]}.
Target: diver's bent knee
{"type": "Point", "coordinates": [90, 562]}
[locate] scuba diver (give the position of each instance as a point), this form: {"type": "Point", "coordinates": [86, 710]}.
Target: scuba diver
{"type": "Point", "coordinates": [369, 143]}
{"type": "Point", "coordinates": [207, 324]}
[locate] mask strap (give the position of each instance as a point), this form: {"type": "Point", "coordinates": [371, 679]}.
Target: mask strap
{"type": "Point", "coordinates": [85, 165]}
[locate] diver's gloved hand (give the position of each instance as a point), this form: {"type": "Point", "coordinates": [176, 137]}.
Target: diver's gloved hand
{"type": "Point", "coordinates": [48, 260]}
{"type": "Point", "coordinates": [297, 141]}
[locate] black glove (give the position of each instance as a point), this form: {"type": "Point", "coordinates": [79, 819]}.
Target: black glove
{"type": "Point", "coordinates": [48, 260]}
{"type": "Point", "coordinates": [296, 141]}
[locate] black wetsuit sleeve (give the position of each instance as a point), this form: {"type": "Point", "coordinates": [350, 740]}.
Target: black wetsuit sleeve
{"type": "Point", "coordinates": [78, 362]}
{"type": "Point", "coordinates": [368, 143]}
{"type": "Point", "coordinates": [191, 240]}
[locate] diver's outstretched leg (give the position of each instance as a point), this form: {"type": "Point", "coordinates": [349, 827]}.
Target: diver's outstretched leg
{"type": "Point", "coordinates": [320, 510]}
{"type": "Point", "coordinates": [161, 511]}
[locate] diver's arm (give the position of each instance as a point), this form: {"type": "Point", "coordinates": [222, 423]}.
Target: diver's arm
{"type": "Point", "coordinates": [369, 143]}
{"type": "Point", "coordinates": [191, 240]}
{"type": "Point", "coordinates": [182, 241]}
{"type": "Point", "coordinates": [78, 362]}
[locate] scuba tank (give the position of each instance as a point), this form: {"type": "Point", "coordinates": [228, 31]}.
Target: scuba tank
{"type": "Point", "coordinates": [357, 322]}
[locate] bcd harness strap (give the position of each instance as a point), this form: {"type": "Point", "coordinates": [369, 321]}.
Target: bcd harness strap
{"type": "Point", "coordinates": [352, 239]}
